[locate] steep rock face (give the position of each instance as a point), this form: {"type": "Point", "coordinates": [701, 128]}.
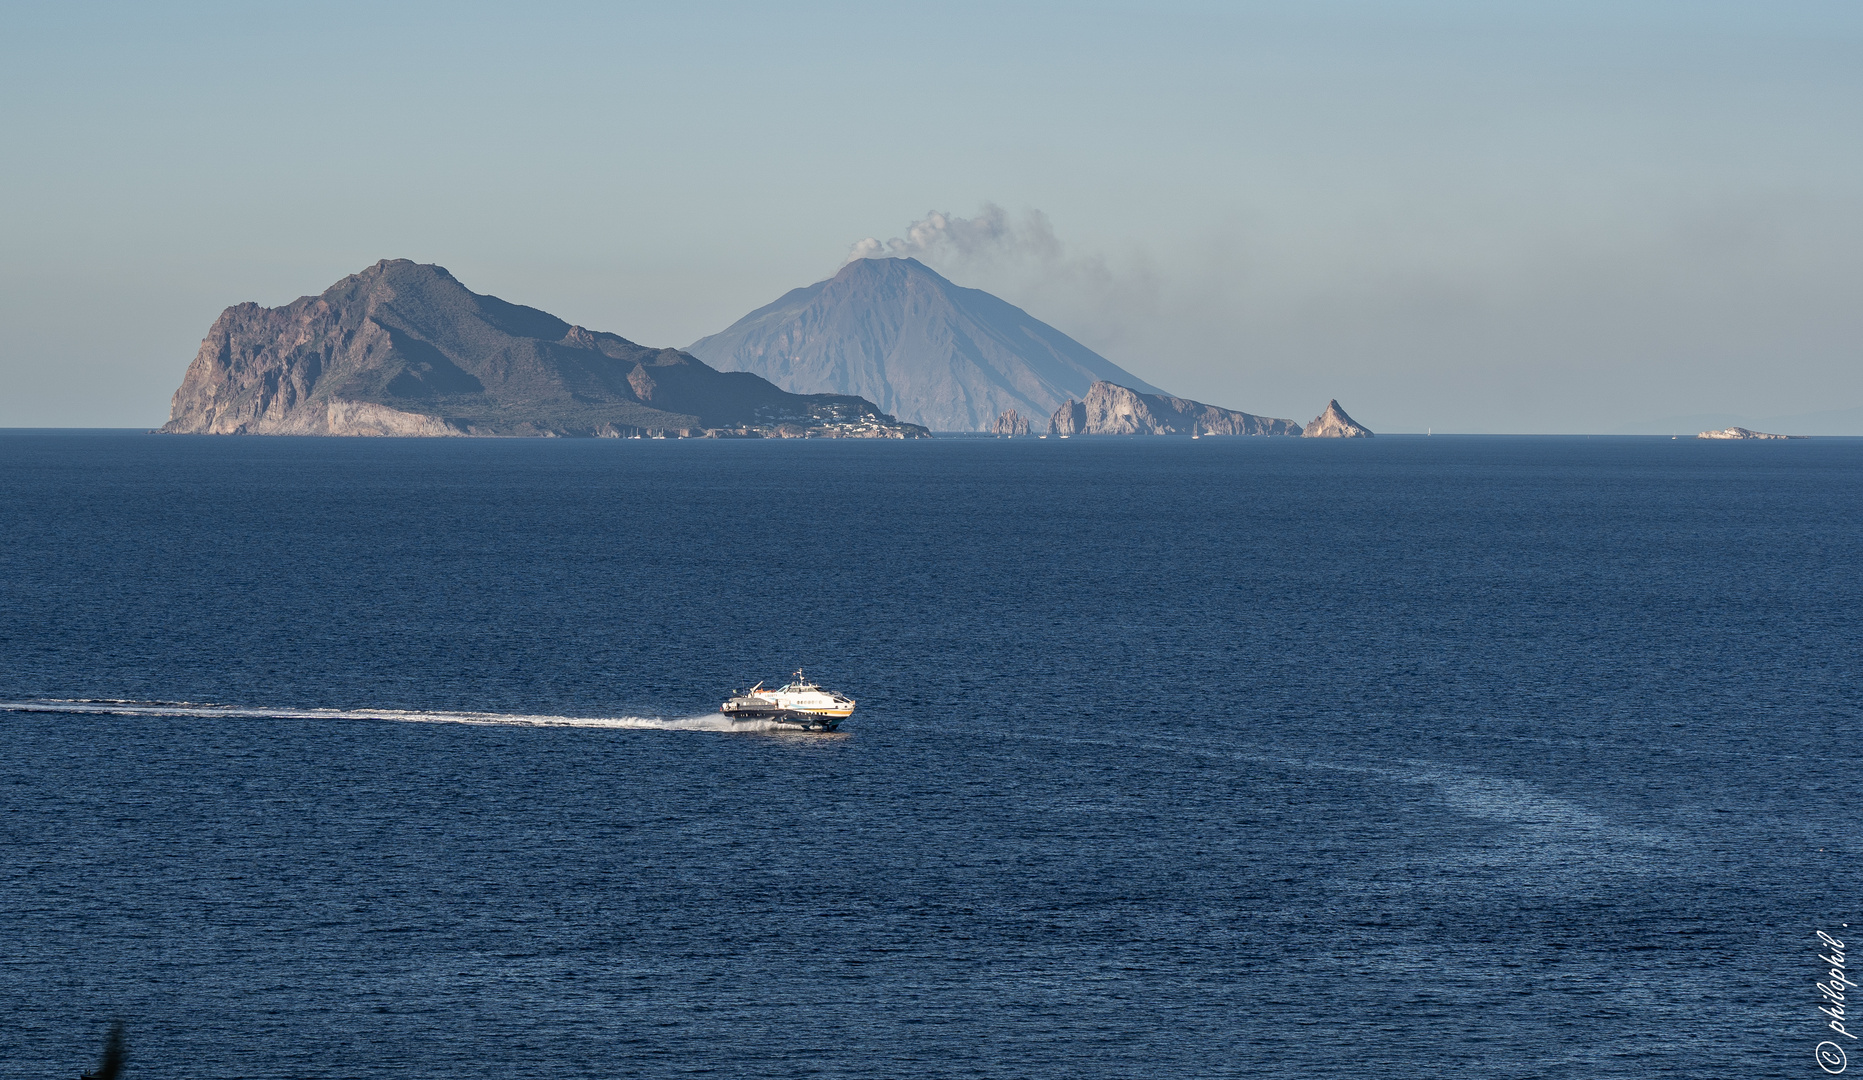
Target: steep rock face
{"type": "Point", "coordinates": [1011, 423]}
{"type": "Point", "coordinates": [405, 349]}
{"type": "Point", "coordinates": [1335, 424]}
{"type": "Point", "coordinates": [368, 418]}
{"type": "Point", "coordinates": [1118, 410]}
{"type": "Point", "coordinates": [897, 333]}
{"type": "Point", "coordinates": [1742, 433]}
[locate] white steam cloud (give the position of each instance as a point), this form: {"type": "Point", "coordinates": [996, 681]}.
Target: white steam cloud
{"type": "Point", "coordinates": [945, 237]}
{"type": "Point", "coordinates": [1022, 260]}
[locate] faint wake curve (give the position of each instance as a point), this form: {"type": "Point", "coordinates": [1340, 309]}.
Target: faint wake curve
{"type": "Point", "coordinates": [110, 707]}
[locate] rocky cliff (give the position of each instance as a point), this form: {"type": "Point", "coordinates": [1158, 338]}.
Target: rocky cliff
{"type": "Point", "coordinates": [1335, 424]}
{"type": "Point", "coordinates": [897, 333]}
{"type": "Point", "coordinates": [1109, 409]}
{"type": "Point", "coordinates": [405, 349]}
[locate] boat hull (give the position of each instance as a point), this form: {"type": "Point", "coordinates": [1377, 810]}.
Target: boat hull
{"type": "Point", "coordinates": [788, 719]}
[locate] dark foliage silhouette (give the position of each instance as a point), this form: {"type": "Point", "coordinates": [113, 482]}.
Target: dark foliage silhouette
{"type": "Point", "coordinates": [114, 1055]}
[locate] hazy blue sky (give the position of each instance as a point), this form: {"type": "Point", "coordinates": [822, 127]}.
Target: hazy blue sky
{"type": "Point", "coordinates": [1496, 216]}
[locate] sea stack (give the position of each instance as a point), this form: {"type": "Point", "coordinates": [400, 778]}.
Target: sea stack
{"type": "Point", "coordinates": [1012, 423]}
{"type": "Point", "coordinates": [1335, 424]}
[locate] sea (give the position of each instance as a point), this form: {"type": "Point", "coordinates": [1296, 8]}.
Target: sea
{"type": "Point", "coordinates": [1408, 757]}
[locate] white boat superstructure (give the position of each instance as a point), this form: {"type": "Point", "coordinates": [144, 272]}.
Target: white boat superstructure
{"type": "Point", "coordinates": [797, 704]}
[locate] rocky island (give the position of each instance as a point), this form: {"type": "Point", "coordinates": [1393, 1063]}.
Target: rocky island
{"type": "Point", "coordinates": [404, 349]}
{"type": "Point", "coordinates": [1335, 424]}
{"type": "Point", "coordinates": [1743, 433]}
{"type": "Point", "coordinates": [1110, 409]}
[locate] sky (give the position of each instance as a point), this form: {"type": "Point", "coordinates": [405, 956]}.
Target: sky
{"type": "Point", "coordinates": [1453, 216]}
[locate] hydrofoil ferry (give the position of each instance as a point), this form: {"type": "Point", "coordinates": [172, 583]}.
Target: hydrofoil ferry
{"type": "Point", "coordinates": [799, 705]}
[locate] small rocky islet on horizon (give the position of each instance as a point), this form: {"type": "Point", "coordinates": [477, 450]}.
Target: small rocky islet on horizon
{"type": "Point", "coordinates": [887, 348]}
{"type": "Point", "coordinates": [1744, 433]}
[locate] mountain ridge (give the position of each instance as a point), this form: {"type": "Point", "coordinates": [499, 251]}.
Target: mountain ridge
{"type": "Point", "coordinates": [404, 348]}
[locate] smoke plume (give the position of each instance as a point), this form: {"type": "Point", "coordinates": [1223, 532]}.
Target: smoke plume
{"type": "Point", "coordinates": [1021, 259]}
{"type": "Point", "coordinates": [947, 238]}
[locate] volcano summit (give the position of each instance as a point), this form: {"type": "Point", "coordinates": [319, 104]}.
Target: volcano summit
{"type": "Point", "coordinates": [897, 333]}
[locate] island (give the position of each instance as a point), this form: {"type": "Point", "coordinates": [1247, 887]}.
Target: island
{"type": "Point", "coordinates": [1110, 409]}
{"type": "Point", "coordinates": [403, 348]}
{"type": "Point", "coordinates": [1743, 433]}
{"type": "Point", "coordinates": [1335, 424]}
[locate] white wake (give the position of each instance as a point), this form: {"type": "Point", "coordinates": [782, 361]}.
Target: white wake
{"type": "Point", "coordinates": [105, 707]}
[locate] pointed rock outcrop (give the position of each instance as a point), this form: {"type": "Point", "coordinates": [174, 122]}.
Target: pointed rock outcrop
{"type": "Point", "coordinates": [1109, 409]}
{"type": "Point", "coordinates": [1335, 424]}
{"type": "Point", "coordinates": [405, 349]}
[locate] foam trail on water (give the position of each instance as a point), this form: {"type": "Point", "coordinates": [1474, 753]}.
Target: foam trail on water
{"type": "Point", "coordinates": [108, 707]}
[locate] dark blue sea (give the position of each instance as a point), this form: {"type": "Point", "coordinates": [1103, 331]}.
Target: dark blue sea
{"type": "Point", "coordinates": [1408, 758]}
